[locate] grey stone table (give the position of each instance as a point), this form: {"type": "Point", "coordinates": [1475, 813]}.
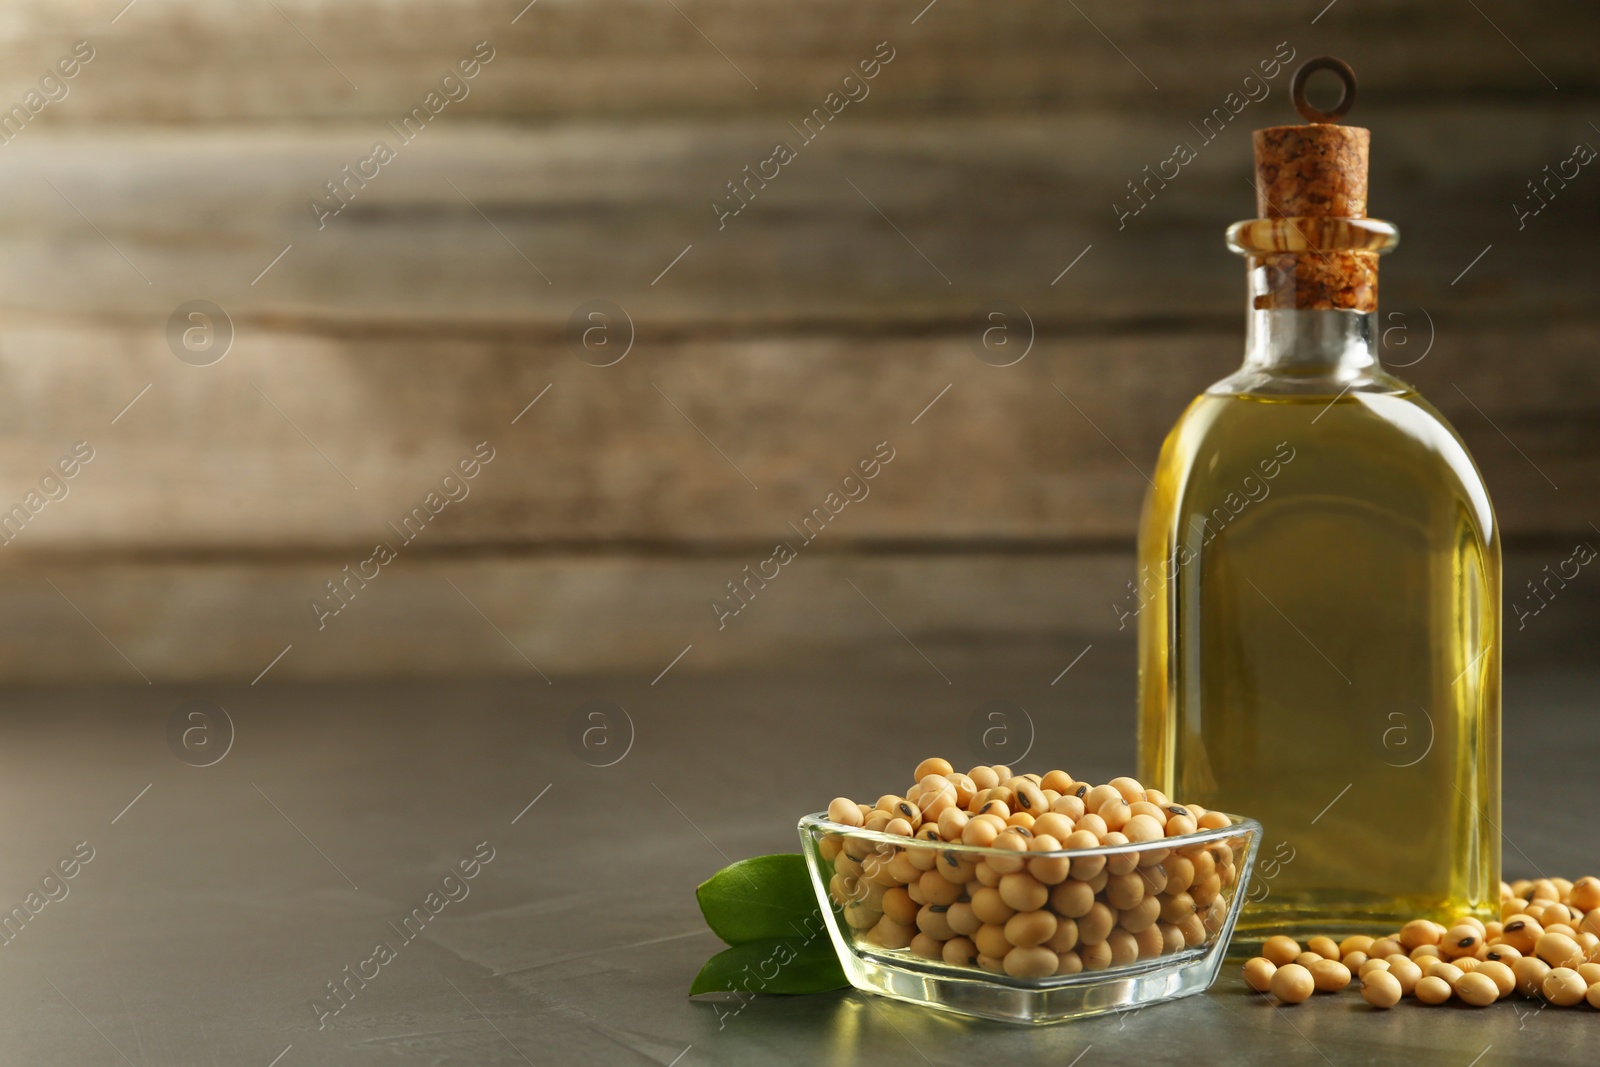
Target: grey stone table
{"type": "Point", "coordinates": [220, 900]}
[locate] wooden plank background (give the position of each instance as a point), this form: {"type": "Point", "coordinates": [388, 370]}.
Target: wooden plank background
{"type": "Point", "coordinates": [769, 355]}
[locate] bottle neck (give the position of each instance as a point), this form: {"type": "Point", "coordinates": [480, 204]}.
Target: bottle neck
{"type": "Point", "coordinates": [1337, 345]}
{"type": "Point", "coordinates": [1312, 325]}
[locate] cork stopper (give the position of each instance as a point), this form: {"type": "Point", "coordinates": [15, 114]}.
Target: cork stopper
{"type": "Point", "coordinates": [1318, 170]}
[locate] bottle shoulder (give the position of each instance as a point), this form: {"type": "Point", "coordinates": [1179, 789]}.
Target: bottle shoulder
{"type": "Point", "coordinates": [1385, 443]}
{"type": "Point", "coordinates": [1276, 382]}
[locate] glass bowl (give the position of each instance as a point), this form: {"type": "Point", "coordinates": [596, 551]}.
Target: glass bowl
{"type": "Point", "coordinates": [1120, 931]}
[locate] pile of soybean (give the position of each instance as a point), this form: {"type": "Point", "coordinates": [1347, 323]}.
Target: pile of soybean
{"type": "Point", "coordinates": [1014, 911]}
{"type": "Point", "coordinates": [1546, 945]}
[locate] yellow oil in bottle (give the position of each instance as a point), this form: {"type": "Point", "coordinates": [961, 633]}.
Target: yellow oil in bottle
{"type": "Point", "coordinates": [1318, 605]}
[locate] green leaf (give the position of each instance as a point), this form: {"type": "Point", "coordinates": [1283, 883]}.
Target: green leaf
{"type": "Point", "coordinates": [762, 898]}
{"type": "Point", "coordinates": [772, 965]}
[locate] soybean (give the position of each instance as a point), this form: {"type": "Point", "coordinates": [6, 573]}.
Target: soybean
{"type": "Point", "coordinates": [1292, 984]}
{"type": "Point", "coordinates": [1280, 949]}
{"type": "Point", "coordinates": [1530, 972]}
{"type": "Point", "coordinates": [1031, 962]}
{"type": "Point", "coordinates": [1478, 990]}
{"type": "Point", "coordinates": [1433, 990]}
{"type": "Point", "coordinates": [1258, 973]}
{"type": "Point", "coordinates": [960, 951]}
{"type": "Point", "coordinates": [1329, 976]}
{"type": "Point", "coordinates": [1381, 989]}
{"type": "Point", "coordinates": [1406, 972]}
{"type": "Point", "coordinates": [1500, 975]}
{"type": "Point", "coordinates": [1325, 947]}
{"type": "Point", "coordinates": [1563, 987]}
{"type": "Point", "coordinates": [1028, 928]}
{"type": "Point", "coordinates": [1558, 950]}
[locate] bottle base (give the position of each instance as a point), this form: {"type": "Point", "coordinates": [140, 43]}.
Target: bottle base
{"type": "Point", "coordinates": [1343, 918]}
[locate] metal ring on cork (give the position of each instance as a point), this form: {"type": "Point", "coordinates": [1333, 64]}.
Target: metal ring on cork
{"type": "Point", "coordinates": [1297, 89]}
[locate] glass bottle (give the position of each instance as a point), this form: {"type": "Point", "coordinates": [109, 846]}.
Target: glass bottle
{"type": "Point", "coordinates": [1319, 587]}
